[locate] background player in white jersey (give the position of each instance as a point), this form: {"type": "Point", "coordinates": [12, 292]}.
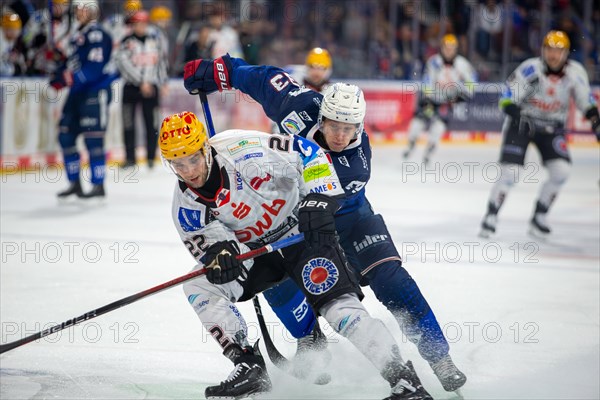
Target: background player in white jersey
{"type": "Point", "coordinates": [12, 61]}
{"type": "Point", "coordinates": [448, 78]}
{"type": "Point", "coordinates": [243, 189]}
{"type": "Point", "coordinates": [536, 102]}
{"type": "Point", "coordinates": [46, 38]}
{"type": "Point", "coordinates": [315, 72]}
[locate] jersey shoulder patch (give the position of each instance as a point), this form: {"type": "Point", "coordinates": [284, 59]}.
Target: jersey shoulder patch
{"type": "Point", "coordinates": [293, 124]}
{"type": "Point", "coordinates": [189, 220]}
{"type": "Point", "coordinates": [308, 150]}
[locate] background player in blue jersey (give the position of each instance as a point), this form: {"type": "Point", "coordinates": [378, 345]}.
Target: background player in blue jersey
{"type": "Point", "coordinates": [86, 74]}
{"type": "Point", "coordinates": [334, 120]}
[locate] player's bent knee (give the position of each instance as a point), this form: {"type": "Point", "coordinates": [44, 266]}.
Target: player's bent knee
{"type": "Point", "coordinates": [558, 171]}
{"type": "Point", "coordinates": [66, 140]}
{"type": "Point", "coordinates": [344, 314]}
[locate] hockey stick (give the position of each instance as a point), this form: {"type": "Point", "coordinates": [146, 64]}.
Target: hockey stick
{"type": "Point", "coordinates": [280, 244]}
{"type": "Point", "coordinates": [278, 359]}
{"type": "Point", "coordinates": [207, 114]}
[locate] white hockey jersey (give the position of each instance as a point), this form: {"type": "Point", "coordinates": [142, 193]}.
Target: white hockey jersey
{"type": "Point", "coordinates": [264, 177]}
{"type": "Point", "coordinates": [444, 82]}
{"type": "Point", "coordinates": [547, 97]}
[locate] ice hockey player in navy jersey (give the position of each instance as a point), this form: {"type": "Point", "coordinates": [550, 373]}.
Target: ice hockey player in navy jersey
{"type": "Point", "coordinates": [335, 121]}
{"type": "Point", "coordinates": [86, 73]}
{"type": "Point", "coordinates": [242, 189]}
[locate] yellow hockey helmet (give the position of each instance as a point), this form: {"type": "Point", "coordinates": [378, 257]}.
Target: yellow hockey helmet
{"type": "Point", "coordinates": [160, 13]}
{"type": "Point", "coordinates": [11, 21]}
{"type": "Point", "coordinates": [557, 40]}
{"type": "Point", "coordinates": [450, 40]}
{"type": "Point", "coordinates": [318, 57]}
{"type": "Point", "coordinates": [131, 6]}
{"type": "Point", "coordinates": [181, 135]}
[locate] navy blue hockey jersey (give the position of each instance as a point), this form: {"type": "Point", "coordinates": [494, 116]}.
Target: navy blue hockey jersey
{"type": "Point", "coordinates": [296, 110]}
{"type": "Point", "coordinates": [90, 50]}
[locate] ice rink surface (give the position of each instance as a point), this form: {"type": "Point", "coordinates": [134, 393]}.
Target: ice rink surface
{"type": "Point", "coordinates": [521, 314]}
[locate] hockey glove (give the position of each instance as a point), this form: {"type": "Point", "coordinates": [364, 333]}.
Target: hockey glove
{"type": "Point", "coordinates": [207, 75]}
{"type": "Point", "coordinates": [513, 110]}
{"type": "Point", "coordinates": [316, 219]}
{"type": "Point", "coordinates": [221, 263]}
{"type": "Point", "coordinates": [61, 79]}
{"type": "Point", "coordinates": [594, 117]}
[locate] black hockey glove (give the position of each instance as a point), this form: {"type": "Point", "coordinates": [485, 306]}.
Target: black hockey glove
{"type": "Point", "coordinates": [221, 263]}
{"type": "Point", "coordinates": [513, 110]}
{"type": "Point", "coordinates": [208, 75]}
{"type": "Point", "coordinates": [316, 219]}
{"type": "Point", "coordinates": [594, 117]}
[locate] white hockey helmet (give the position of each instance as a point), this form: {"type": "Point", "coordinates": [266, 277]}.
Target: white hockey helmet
{"type": "Point", "coordinates": [344, 103]}
{"type": "Point", "coordinates": [85, 3]}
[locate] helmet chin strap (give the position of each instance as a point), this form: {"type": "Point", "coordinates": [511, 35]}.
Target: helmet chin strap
{"type": "Point", "coordinates": [209, 158]}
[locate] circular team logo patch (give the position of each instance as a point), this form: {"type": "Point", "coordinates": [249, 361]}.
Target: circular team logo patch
{"type": "Point", "coordinates": [560, 146]}
{"type": "Point", "coordinates": [319, 275]}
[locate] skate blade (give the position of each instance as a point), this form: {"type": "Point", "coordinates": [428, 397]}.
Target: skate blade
{"type": "Point", "coordinates": [93, 201]}
{"type": "Point", "coordinates": [459, 395]}
{"type": "Point", "coordinates": [69, 200]}
{"type": "Point", "coordinates": [537, 234]}
{"type": "Point", "coordinates": [485, 234]}
{"type": "Point", "coordinates": [245, 396]}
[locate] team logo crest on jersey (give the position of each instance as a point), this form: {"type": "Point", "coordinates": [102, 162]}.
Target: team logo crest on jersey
{"type": "Point", "coordinates": [293, 124]}
{"type": "Point", "coordinates": [189, 220]}
{"type": "Point", "coordinates": [344, 161]}
{"type": "Point", "coordinates": [560, 146]}
{"type": "Point", "coordinates": [319, 275]}
{"type": "Point", "coordinates": [223, 197]}
{"type": "Point", "coordinates": [308, 150]}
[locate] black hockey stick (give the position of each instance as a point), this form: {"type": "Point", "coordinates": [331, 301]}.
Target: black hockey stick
{"type": "Point", "coordinates": [278, 359]}
{"type": "Point", "coordinates": [138, 296]}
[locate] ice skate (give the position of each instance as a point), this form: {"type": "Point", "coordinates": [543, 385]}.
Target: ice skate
{"type": "Point", "coordinates": [538, 225]}
{"type": "Point", "coordinates": [128, 165]}
{"type": "Point", "coordinates": [247, 378]}
{"type": "Point", "coordinates": [97, 193]}
{"type": "Point", "coordinates": [407, 385]}
{"type": "Point", "coordinates": [312, 355]}
{"type": "Point", "coordinates": [73, 191]}
{"type": "Point", "coordinates": [449, 375]}
{"type": "Point", "coordinates": [488, 226]}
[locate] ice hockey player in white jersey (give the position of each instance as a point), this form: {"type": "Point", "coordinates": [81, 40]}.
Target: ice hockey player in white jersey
{"type": "Point", "coordinates": [240, 190]}
{"type": "Point", "coordinates": [315, 72]}
{"type": "Point", "coordinates": [448, 79]}
{"type": "Point", "coordinates": [536, 103]}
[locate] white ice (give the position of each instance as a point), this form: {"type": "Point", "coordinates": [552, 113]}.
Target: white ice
{"type": "Point", "coordinates": [522, 314]}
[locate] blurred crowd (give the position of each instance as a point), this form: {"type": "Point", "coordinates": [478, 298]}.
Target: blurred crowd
{"type": "Point", "coordinates": [368, 39]}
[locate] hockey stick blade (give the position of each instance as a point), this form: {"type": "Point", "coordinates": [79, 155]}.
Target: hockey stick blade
{"type": "Point", "coordinates": [278, 359]}
{"type": "Point", "coordinates": [280, 244]}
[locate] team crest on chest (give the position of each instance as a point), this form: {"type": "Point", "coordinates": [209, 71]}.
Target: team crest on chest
{"type": "Point", "coordinates": [319, 275]}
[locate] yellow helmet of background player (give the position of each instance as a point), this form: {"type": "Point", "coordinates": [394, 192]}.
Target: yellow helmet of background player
{"type": "Point", "coordinates": [11, 21]}
{"type": "Point", "coordinates": [318, 57]}
{"type": "Point", "coordinates": [160, 13]}
{"type": "Point", "coordinates": [181, 135]}
{"type": "Point", "coordinates": [557, 40]}
{"type": "Point", "coordinates": [131, 6]}
{"type": "Point", "coordinates": [450, 40]}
